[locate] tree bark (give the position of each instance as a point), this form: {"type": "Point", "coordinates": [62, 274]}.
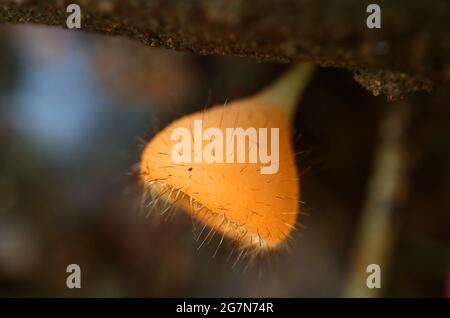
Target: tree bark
{"type": "Point", "coordinates": [408, 53]}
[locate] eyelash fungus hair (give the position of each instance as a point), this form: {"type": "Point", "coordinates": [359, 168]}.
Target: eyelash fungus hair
{"type": "Point", "coordinates": [234, 200]}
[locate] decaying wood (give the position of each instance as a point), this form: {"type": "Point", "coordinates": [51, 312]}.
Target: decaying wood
{"type": "Point", "coordinates": [408, 53]}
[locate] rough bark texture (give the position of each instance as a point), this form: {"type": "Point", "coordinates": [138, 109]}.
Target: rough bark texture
{"type": "Point", "coordinates": [409, 52]}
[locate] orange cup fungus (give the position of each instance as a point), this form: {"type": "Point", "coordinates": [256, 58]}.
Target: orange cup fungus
{"type": "Point", "coordinates": [230, 185]}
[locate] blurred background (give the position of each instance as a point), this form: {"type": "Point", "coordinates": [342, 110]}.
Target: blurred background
{"type": "Point", "coordinates": [75, 111]}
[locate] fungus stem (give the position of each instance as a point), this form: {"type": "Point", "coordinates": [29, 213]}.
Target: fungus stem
{"type": "Point", "coordinates": [286, 91]}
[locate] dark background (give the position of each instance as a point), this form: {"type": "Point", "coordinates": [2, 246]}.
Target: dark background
{"type": "Point", "coordinates": [75, 110]}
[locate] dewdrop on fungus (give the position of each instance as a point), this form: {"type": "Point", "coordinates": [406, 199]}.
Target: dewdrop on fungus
{"type": "Point", "coordinates": [232, 167]}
